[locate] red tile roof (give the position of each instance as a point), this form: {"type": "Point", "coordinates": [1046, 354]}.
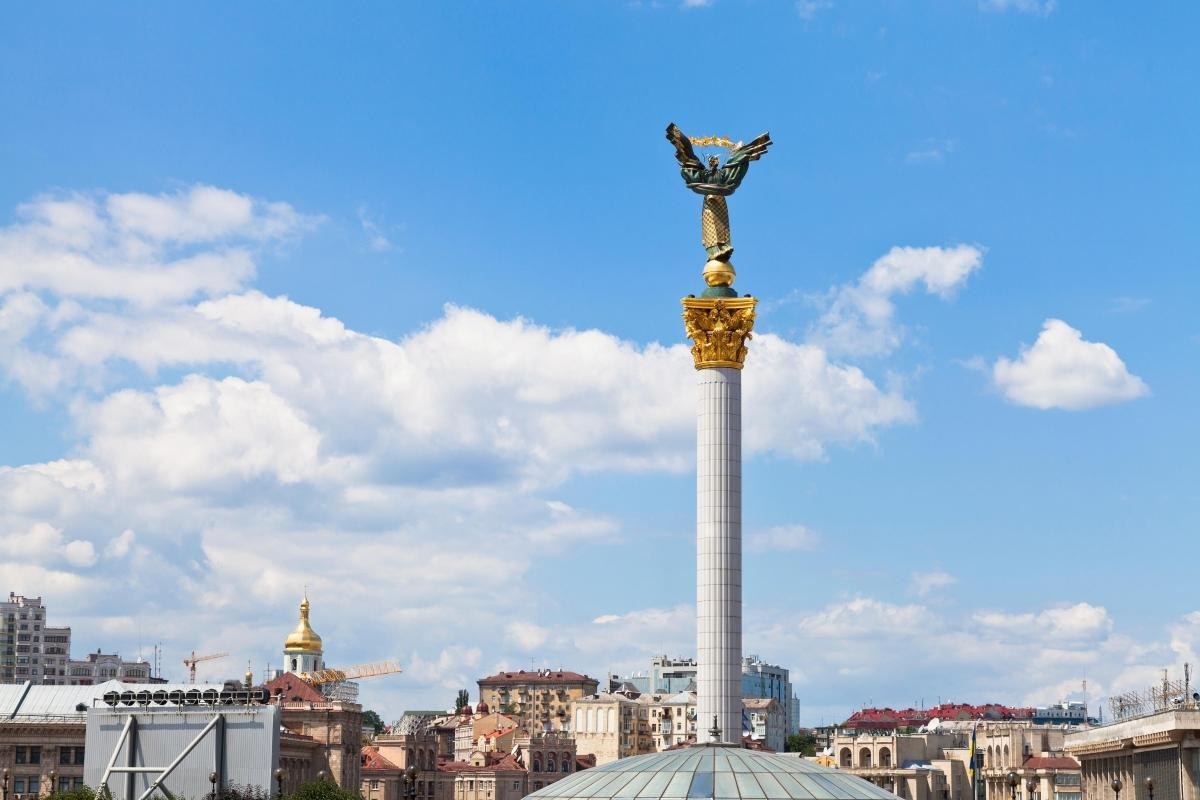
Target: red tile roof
{"type": "Point", "coordinates": [1050, 762]}
{"type": "Point", "coordinates": [294, 689]}
{"type": "Point", "coordinates": [373, 760]}
{"type": "Point", "coordinates": [538, 676]}
{"type": "Point", "coordinates": [508, 763]}
{"type": "Point", "coordinates": [888, 718]}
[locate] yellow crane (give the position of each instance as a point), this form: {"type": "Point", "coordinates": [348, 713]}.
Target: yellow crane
{"type": "Point", "coordinates": [335, 674]}
{"type": "Point", "coordinates": [191, 663]}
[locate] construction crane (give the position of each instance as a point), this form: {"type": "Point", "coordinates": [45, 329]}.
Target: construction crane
{"type": "Point", "coordinates": [323, 676]}
{"type": "Point", "coordinates": [191, 663]}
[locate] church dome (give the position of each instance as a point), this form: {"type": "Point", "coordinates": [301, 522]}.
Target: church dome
{"type": "Point", "coordinates": [304, 639]}
{"type": "Point", "coordinates": [712, 772]}
{"type": "Point", "coordinates": [482, 708]}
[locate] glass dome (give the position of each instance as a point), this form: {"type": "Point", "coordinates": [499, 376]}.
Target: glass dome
{"type": "Point", "coordinates": [714, 772]}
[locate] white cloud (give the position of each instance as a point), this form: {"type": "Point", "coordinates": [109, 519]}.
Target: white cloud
{"type": "Point", "coordinates": [783, 538]}
{"type": "Point", "coordinates": [119, 547]}
{"type": "Point", "coordinates": [1081, 621]}
{"type": "Point", "coordinates": [860, 318]}
{"type": "Point", "coordinates": [1039, 8]}
{"type": "Point", "coordinates": [527, 635]}
{"type": "Point", "coordinates": [140, 248]}
{"type": "Point", "coordinates": [926, 583]}
{"type": "Point", "coordinates": [80, 553]}
{"type": "Point", "coordinates": [1063, 370]}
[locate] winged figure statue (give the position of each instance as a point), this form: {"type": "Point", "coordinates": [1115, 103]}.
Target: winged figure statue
{"type": "Point", "coordinates": [716, 181]}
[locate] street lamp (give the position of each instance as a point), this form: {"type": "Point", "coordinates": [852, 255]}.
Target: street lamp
{"type": "Point", "coordinates": [212, 779]}
{"type": "Point", "coordinates": [279, 782]}
{"type": "Point", "coordinates": [53, 786]}
{"type": "Point", "coordinates": [410, 782]}
{"type": "Point", "coordinates": [1116, 787]}
{"type": "Point", "coordinates": [1031, 786]}
{"type": "Point", "coordinates": [1013, 783]}
{"type": "Point", "coordinates": [1150, 787]}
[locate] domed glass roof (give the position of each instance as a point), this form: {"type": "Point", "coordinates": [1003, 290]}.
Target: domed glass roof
{"type": "Point", "coordinates": [713, 772]}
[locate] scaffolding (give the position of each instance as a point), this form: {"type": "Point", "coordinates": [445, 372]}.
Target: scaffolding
{"type": "Point", "coordinates": [1167, 695]}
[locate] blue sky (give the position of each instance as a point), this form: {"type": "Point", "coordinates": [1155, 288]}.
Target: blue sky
{"type": "Point", "coordinates": [384, 300]}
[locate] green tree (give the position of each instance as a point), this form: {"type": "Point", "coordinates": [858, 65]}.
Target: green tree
{"type": "Point", "coordinates": [321, 790]}
{"type": "Point", "coordinates": [372, 719]}
{"type": "Point", "coordinates": [462, 701]}
{"type": "Point", "coordinates": [803, 743]}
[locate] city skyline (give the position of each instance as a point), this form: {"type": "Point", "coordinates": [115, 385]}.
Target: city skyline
{"type": "Point", "coordinates": [289, 299]}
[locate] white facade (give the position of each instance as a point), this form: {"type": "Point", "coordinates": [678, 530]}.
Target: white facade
{"type": "Point", "coordinates": [719, 552]}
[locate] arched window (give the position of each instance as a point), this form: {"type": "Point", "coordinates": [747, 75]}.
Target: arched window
{"type": "Point", "coordinates": [579, 717]}
{"type": "Point", "coordinates": [591, 725]}
{"type": "Point", "coordinates": [611, 722]}
{"type": "Point", "coordinates": [295, 665]}
{"type": "Point", "coordinates": [566, 761]}
{"type": "Point", "coordinates": [885, 757]}
{"type": "Point", "coordinates": [988, 760]}
{"type": "Point", "coordinates": [537, 765]}
{"type": "Point", "coordinates": [864, 758]}
{"type": "Point", "coordinates": [844, 758]}
{"type": "Point", "coordinates": [551, 764]}
{"type": "Point", "coordinates": [1007, 757]}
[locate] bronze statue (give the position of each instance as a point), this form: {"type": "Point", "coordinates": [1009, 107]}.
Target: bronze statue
{"type": "Point", "coordinates": [716, 182]}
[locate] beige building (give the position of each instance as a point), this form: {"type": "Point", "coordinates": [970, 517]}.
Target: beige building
{"type": "Point", "coordinates": [935, 765]}
{"type": "Point", "coordinates": [99, 667]}
{"type": "Point", "coordinates": [928, 766]}
{"type": "Point", "coordinates": [610, 726]}
{"type": "Point", "coordinates": [763, 720]}
{"type": "Point", "coordinates": [540, 699]}
{"type": "Point", "coordinates": [673, 720]}
{"type": "Point", "coordinates": [1162, 746]}
{"type": "Point", "coordinates": [1033, 752]}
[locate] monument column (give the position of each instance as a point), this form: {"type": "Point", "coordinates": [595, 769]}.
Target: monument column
{"type": "Point", "coordinates": [719, 323]}
{"type": "Point", "coordinates": [720, 327]}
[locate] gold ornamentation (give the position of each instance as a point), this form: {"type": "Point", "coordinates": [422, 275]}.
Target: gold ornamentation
{"type": "Point", "coordinates": [719, 328]}
{"type": "Point", "coordinates": [714, 141]}
{"type": "Point", "coordinates": [304, 639]}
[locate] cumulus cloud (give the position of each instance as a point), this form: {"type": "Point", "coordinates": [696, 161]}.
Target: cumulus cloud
{"type": "Point", "coordinates": [1063, 370]}
{"type": "Point", "coordinates": [860, 318]}
{"type": "Point", "coordinates": [145, 249]}
{"type": "Point", "coordinates": [257, 445]}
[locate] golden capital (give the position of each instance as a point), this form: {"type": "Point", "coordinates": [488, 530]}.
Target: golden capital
{"type": "Point", "coordinates": [719, 328]}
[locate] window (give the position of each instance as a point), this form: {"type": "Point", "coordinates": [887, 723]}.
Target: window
{"type": "Point", "coordinates": [35, 757]}
{"type": "Point", "coordinates": [516, 786]}
{"type": "Point", "coordinates": [64, 755]}
{"type": "Point", "coordinates": [32, 787]}
{"type": "Point", "coordinates": [64, 784]}
{"type": "Point", "coordinates": [78, 755]}
{"type": "Point", "coordinates": [21, 756]}
{"type": "Point", "coordinates": [19, 785]}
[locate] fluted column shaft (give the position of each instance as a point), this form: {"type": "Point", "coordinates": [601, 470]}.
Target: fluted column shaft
{"type": "Point", "coordinates": [719, 552]}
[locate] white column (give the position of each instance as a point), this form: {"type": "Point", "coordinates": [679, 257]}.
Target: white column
{"type": "Point", "coordinates": [719, 553]}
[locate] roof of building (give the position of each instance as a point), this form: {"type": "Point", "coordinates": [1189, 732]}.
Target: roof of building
{"type": "Point", "coordinates": [759, 702]}
{"type": "Point", "coordinates": [709, 771]}
{"type": "Point", "coordinates": [887, 718]}
{"type": "Point", "coordinates": [507, 763]}
{"type": "Point", "coordinates": [25, 702]}
{"type": "Point", "coordinates": [1050, 762]}
{"type": "Point", "coordinates": [294, 689]}
{"type": "Point", "coordinates": [536, 676]}
{"type": "Point", "coordinates": [372, 759]}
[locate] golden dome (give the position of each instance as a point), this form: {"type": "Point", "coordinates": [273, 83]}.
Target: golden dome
{"type": "Point", "coordinates": [304, 639]}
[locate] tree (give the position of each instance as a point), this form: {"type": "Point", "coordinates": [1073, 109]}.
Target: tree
{"type": "Point", "coordinates": [462, 701]}
{"type": "Point", "coordinates": [803, 743]}
{"type": "Point", "coordinates": [372, 719]}
{"type": "Point", "coordinates": [321, 790]}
